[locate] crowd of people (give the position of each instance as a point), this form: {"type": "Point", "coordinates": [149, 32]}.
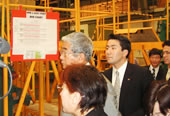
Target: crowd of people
{"type": "Point", "coordinates": [123, 90]}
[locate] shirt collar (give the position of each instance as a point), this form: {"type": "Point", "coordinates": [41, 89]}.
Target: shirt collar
{"type": "Point", "coordinates": [151, 67]}
{"type": "Point", "coordinates": [87, 63]}
{"type": "Point", "coordinates": [168, 70]}
{"type": "Point", "coordinates": [121, 71]}
{"type": "Point", "coordinates": [122, 68]}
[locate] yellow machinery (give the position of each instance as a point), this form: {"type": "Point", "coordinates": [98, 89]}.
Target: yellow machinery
{"type": "Point", "coordinates": [27, 70]}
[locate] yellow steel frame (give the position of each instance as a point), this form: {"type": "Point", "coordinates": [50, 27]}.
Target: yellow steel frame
{"type": "Point", "coordinates": [31, 72]}
{"type": "Point", "coordinates": [99, 46]}
{"type": "Point", "coordinates": [129, 30]}
{"type": "Point", "coordinates": [5, 71]}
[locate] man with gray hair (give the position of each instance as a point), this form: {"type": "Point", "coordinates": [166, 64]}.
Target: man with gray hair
{"type": "Point", "coordinates": [77, 48]}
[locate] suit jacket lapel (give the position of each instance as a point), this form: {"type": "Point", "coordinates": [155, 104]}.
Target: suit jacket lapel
{"type": "Point", "coordinates": [160, 73]}
{"type": "Point", "coordinates": [108, 74]}
{"type": "Point", "coordinates": [148, 67]}
{"type": "Point", "coordinates": [125, 84]}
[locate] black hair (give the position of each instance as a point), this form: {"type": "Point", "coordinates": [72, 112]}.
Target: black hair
{"type": "Point", "coordinates": [166, 43]}
{"type": "Point", "coordinates": [159, 91]}
{"type": "Point", "coordinates": [155, 51]}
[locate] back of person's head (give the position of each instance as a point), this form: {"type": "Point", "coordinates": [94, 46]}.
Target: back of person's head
{"type": "Point", "coordinates": [124, 42]}
{"type": "Point", "coordinates": [166, 43]}
{"type": "Point", "coordinates": [88, 81]}
{"type": "Point", "coordinates": [80, 43]}
{"type": "Point", "coordinates": [155, 51]}
{"type": "Point", "coordinates": [159, 91]}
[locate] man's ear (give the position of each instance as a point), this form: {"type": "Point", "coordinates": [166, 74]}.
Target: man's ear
{"type": "Point", "coordinates": [125, 52]}
{"type": "Point", "coordinates": [81, 58]}
{"type": "Point", "coordinates": [76, 98]}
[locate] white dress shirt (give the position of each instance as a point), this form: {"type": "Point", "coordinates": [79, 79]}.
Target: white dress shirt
{"type": "Point", "coordinates": [121, 71]}
{"type": "Point", "coordinates": [156, 70]}
{"type": "Point", "coordinates": [168, 74]}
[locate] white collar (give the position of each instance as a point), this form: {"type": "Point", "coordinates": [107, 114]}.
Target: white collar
{"type": "Point", "coordinates": [151, 67]}
{"type": "Point", "coordinates": [122, 68]}
{"type": "Point", "coordinates": [87, 63]}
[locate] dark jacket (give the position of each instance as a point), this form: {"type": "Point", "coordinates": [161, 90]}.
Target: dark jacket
{"type": "Point", "coordinates": [97, 112]}
{"type": "Point", "coordinates": [135, 82]}
{"type": "Point", "coordinates": [161, 73]}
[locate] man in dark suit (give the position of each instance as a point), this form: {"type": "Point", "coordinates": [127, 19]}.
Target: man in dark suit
{"type": "Point", "coordinates": [155, 68]}
{"type": "Point", "coordinates": [132, 80]}
{"type": "Point", "coordinates": [166, 57]}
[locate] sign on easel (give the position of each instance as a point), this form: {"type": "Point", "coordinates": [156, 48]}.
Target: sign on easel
{"type": "Point", "coordinates": [34, 35]}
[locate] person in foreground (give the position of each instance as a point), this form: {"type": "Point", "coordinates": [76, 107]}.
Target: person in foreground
{"type": "Point", "coordinates": [84, 91]}
{"type": "Point", "coordinates": [157, 99]}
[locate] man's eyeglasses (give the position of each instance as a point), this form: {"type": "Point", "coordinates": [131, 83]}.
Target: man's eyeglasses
{"type": "Point", "coordinates": [64, 52]}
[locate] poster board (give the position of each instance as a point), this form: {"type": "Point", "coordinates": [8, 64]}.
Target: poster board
{"type": "Point", "coordinates": [34, 35]}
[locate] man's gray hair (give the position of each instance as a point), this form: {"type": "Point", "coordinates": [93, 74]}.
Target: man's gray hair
{"type": "Point", "coordinates": [80, 43]}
